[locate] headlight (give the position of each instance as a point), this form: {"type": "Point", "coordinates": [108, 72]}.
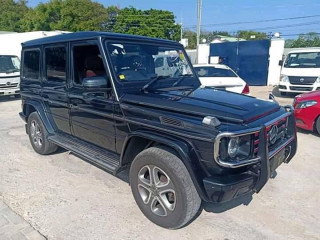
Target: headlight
{"type": "Point", "coordinates": [235, 149]}
{"type": "Point", "coordinates": [284, 78]}
{"type": "Point", "coordinates": [306, 104]}
{"type": "Point", "coordinates": [318, 80]}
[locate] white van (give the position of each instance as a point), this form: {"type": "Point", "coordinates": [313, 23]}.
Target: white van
{"type": "Point", "coordinates": [9, 75]}
{"type": "Point", "coordinates": [300, 71]}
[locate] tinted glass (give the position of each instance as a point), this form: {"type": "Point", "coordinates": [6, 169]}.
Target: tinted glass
{"type": "Point", "coordinates": [303, 60]}
{"type": "Point", "coordinates": [55, 64]}
{"type": "Point", "coordinates": [214, 72]}
{"type": "Point", "coordinates": [31, 64]}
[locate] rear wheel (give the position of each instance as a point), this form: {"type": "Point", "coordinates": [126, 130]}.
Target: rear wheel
{"type": "Point", "coordinates": [163, 189]}
{"type": "Point", "coordinates": [38, 135]}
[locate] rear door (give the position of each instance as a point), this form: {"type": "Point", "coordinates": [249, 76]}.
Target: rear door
{"type": "Point", "coordinates": [91, 109]}
{"type": "Point", "coordinates": [54, 91]}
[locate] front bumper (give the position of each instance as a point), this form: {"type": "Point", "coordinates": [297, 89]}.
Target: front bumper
{"type": "Point", "coordinates": [294, 88]}
{"type": "Point", "coordinates": [9, 91]}
{"type": "Point", "coordinates": [228, 187]}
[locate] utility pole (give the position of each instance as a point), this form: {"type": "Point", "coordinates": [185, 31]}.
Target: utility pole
{"type": "Point", "coordinates": [181, 30]}
{"type": "Point", "coordinates": [199, 8]}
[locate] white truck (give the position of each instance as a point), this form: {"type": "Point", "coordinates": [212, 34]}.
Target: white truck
{"type": "Point", "coordinates": [10, 51]}
{"type": "Point", "coordinates": [300, 71]}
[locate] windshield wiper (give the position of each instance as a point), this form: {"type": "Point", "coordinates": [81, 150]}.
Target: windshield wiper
{"type": "Point", "coordinates": [153, 81]}
{"type": "Point", "coordinates": [181, 78]}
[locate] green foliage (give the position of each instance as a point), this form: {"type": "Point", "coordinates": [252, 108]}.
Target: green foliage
{"type": "Point", "coordinates": [11, 13]}
{"type": "Point", "coordinates": [192, 38]}
{"type": "Point", "coordinates": [307, 40]}
{"type": "Point", "coordinates": [151, 23]}
{"type": "Point", "coordinates": [67, 15]}
{"type": "Point", "coordinates": [247, 35]}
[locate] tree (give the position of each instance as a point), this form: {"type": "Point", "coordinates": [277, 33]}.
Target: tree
{"type": "Point", "coordinates": [192, 38]}
{"type": "Point", "coordinates": [151, 23]}
{"type": "Point", "coordinates": [11, 14]}
{"type": "Point", "coordinates": [248, 35]}
{"type": "Point", "coordinates": [307, 40]}
{"type": "Point", "coordinates": [67, 15]}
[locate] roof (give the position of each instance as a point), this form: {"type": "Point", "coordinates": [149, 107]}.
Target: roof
{"type": "Point", "coordinates": [92, 35]}
{"type": "Point", "coordinates": [211, 65]}
{"type": "Point", "coordinates": [305, 50]}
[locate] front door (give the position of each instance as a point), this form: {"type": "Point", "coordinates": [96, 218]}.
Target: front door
{"type": "Point", "coordinates": [54, 91]}
{"type": "Point", "coordinates": [91, 109]}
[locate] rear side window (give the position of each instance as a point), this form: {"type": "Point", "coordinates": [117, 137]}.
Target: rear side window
{"type": "Point", "coordinates": [56, 63]}
{"type": "Point", "coordinates": [31, 64]}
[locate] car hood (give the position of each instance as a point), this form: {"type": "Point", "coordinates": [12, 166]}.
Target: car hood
{"type": "Point", "coordinates": [226, 106]}
{"type": "Point", "coordinates": [309, 96]}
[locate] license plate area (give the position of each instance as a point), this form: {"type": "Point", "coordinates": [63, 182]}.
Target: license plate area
{"type": "Point", "coordinates": [277, 160]}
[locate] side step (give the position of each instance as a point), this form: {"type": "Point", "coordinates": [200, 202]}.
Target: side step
{"type": "Point", "coordinates": [96, 155]}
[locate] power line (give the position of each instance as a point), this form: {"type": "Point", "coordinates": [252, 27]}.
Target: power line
{"type": "Point", "coordinates": [259, 21]}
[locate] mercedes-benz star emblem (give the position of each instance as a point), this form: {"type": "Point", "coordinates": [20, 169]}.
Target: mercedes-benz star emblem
{"type": "Point", "coordinates": [273, 134]}
{"type": "Point", "coordinates": [8, 83]}
{"type": "Point", "coordinates": [301, 79]}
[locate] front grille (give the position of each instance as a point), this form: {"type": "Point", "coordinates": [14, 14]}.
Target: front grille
{"type": "Point", "coordinates": [6, 86]}
{"type": "Point", "coordinates": [301, 88]}
{"type": "Point", "coordinates": [281, 128]}
{"type": "Point", "coordinates": [302, 80]}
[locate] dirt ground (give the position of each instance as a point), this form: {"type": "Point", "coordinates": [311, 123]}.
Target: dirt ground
{"type": "Point", "coordinates": [64, 197]}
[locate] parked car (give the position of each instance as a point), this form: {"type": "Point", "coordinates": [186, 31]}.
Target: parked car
{"type": "Point", "coordinates": [307, 111]}
{"type": "Point", "coordinates": [97, 95]}
{"type": "Point", "coordinates": [300, 72]}
{"type": "Point", "coordinates": [221, 77]}
{"type": "Point", "coordinates": [9, 75]}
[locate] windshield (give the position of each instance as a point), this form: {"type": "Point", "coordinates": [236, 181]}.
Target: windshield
{"type": "Point", "coordinates": [134, 62]}
{"type": "Point", "coordinates": [303, 60]}
{"type": "Point", "coordinates": [212, 71]}
{"type": "Point", "coordinates": [9, 64]}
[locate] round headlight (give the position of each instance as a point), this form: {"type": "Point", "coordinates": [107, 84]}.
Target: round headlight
{"type": "Point", "coordinates": [233, 147]}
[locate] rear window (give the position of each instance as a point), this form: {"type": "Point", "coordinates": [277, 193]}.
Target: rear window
{"type": "Point", "coordinates": [31, 64]}
{"type": "Point", "coordinates": [214, 72]}
{"type": "Point", "coordinates": [55, 64]}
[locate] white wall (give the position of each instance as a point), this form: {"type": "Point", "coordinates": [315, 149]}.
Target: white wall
{"type": "Point", "coordinates": [275, 53]}
{"type": "Point", "coordinates": [203, 53]}
{"type": "Point", "coordinates": [10, 44]}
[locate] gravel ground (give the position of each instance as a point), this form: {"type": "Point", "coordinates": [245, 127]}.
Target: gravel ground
{"type": "Point", "coordinates": [64, 197]}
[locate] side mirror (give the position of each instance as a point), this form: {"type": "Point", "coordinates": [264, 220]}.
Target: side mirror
{"type": "Point", "coordinates": [94, 82]}
{"type": "Point", "coordinates": [281, 63]}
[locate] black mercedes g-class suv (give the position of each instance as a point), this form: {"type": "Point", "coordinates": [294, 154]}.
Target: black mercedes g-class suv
{"type": "Point", "coordinates": [106, 98]}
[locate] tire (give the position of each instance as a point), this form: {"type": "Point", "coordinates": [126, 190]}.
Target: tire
{"type": "Point", "coordinates": [283, 93]}
{"type": "Point", "coordinates": [38, 135]}
{"type": "Point", "coordinates": [318, 125]}
{"type": "Point", "coordinates": [170, 199]}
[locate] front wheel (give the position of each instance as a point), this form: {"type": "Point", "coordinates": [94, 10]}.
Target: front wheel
{"type": "Point", "coordinates": [163, 189]}
{"type": "Point", "coordinates": [318, 125]}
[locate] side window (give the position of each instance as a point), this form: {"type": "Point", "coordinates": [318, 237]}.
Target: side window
{"type": "Point", "coordinates": [87, 62]}
{"type": "Point", "coordinates": [31, 64]}
{"type": "Point", "coordinates": [55, 66]}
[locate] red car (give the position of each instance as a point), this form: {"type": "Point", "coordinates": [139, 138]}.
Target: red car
{"type": "Point", "coordinates": [307, 111]}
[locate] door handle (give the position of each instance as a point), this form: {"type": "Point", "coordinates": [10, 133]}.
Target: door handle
{"type": "Point", "coordinates": [74, 106]}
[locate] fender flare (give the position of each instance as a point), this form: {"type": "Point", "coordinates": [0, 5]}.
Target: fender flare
{"type": "Point", "coordinates": [184, 150]}
{"type": "Point", "coordinates": [40, 109]}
